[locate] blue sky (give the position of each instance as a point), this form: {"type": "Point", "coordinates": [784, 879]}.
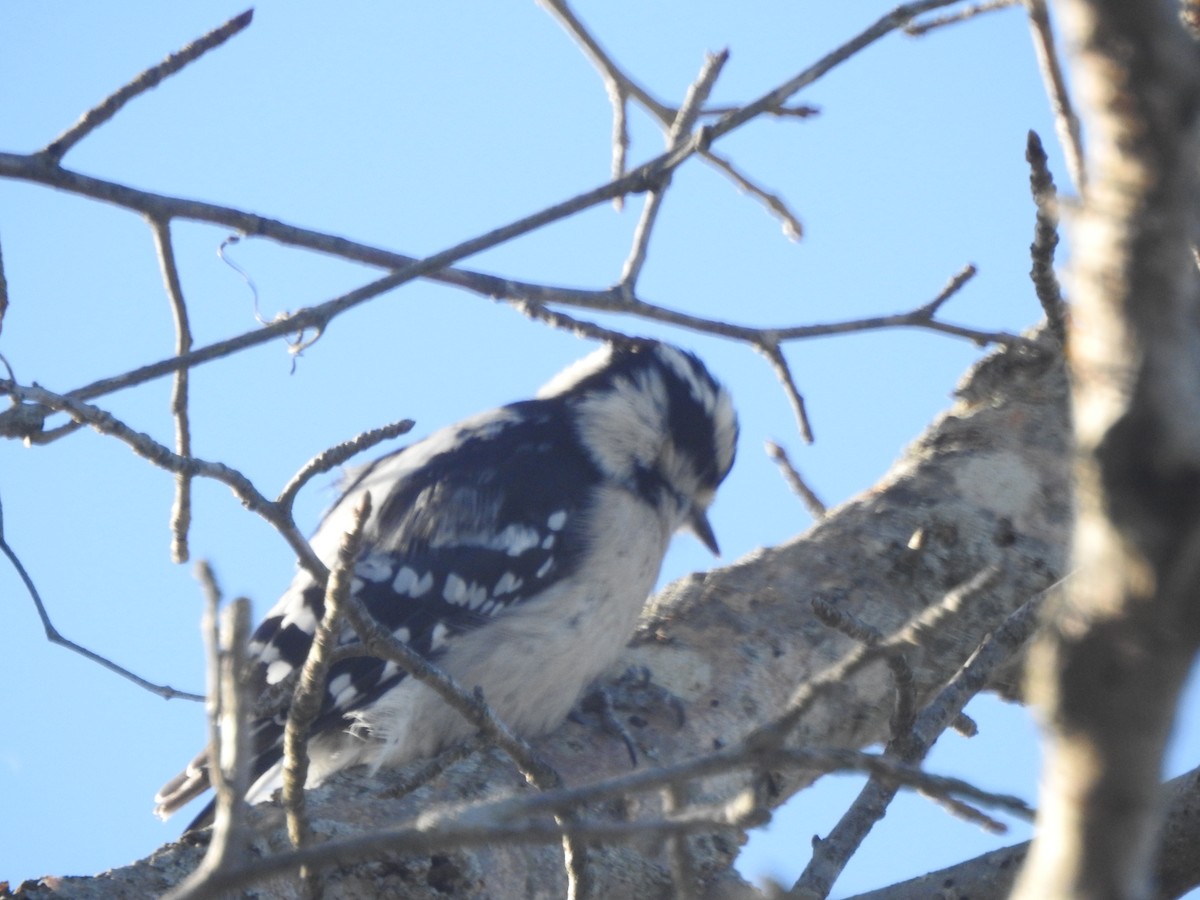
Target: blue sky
{"type": "Point", "coordinates": [414, 126]}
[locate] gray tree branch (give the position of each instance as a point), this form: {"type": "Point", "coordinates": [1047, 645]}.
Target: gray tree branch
{"type": "Point", "coordinates": [735, 643]}
{"type": "Point", "coordinates": [1108, 671]}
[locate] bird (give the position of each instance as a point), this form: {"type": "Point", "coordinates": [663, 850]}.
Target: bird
{"type": "Point", "coordinates": [514, 549]}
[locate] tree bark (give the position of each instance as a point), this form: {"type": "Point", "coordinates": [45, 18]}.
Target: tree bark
{"type": "Point", "coordinates": [1115, 652]}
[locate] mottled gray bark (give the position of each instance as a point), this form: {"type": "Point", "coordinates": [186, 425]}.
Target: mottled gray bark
{"type": "Point", "coordinates": [985, 485]}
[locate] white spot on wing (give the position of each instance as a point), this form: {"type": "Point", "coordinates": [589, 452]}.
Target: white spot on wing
{"type": "Point", "coordinates": [277, 671]}
{"type": "Point", "coordinates": [507, 584]}
{"type": "Point", "coordinates": [557, 520]}
{"type": "Point", "coordinates": [545, 567]}
{"type": "Point", "coordinates": [455, 590]}
{"type": "Point", "coordinates": [421, 588]}
{"type": "Point", "coordinates": [267, 653]}
{"type": "Point", "coordinates": [302, 616]}
{"type": "Point", "coordinates": [438, 637]}
{"type": "Point", "coordinates": [403, 635]}
{"type": "Point", "coordinates": [404, 581]}
{"type": "Point", "coordinates": [373, 568]}
{"type": "Point", "coordinates": [476, 595]}
{"type": "Point", "coordinates": [515, 540]}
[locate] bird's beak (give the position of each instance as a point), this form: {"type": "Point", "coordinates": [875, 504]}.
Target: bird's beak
{"type": "Point", "coordinates": [698, 521]}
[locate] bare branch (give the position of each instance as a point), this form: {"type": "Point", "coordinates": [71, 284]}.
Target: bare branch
{"type": "Point", "coordinates": [792, 227]}
{"type": "Point", "coordinates": [680, 131]}
{"type": "Point", "coordinates": [577, 327]}
{"type": "Point", "coordinates": [807, 496]}
{"type": "Point", "coordinates": [442, 829]}
{"type": "Point", "coordinates": [228, 746]}
{"type": "Point", "coordinates": [911, 745]}
{"type": "Point", "coordinates": [1045, 238]}
{"type": "Point", "coordinates": [3, 292]}
{"type": "Point", "coordinates": [897, 18]}
{"type": "Point", "coordinates": [1128, 619]}
{"type": "Point", "coordinates": [770, 349]}
{"type": "Point", "coordinates": [310, 686]}
{"type": "Point", "coordinates": [1066, 122]}
{"type": "Point", "coordinates": [150, 78]}
{"type": "Point", "coordinates": [335, 456]}
{"type": "Point", "coordinates": [953, 286]}
{"type": "Point", "coordinates": [920, 29]}
{"type": "Point", "coordinates": [616, 80]}
{"type": "Point", "coordinates": [181, 511]}
{"type": "Point", "coordinates": [55, 637]}
{"type": "Point", "coordinates": [773, 733]}
{"type": "Point", "coordinates": [621, 87]}
{"type": "Point", "coordinates": [145, 446]}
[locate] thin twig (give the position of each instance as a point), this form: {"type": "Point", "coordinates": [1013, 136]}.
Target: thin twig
{"type": "Point", "coordinates": [23, 422]}
{"type": "Point", "coordinates": [620, 139]}
{"type": "Point", "coordinates": [1066, 122]}
{"type": "Point", "coordinates": [3, 291]}
{"type": "Point", "coordinates": [799, 487]}
{"type": "Point", "coordinates": [621, 88]}
{"type": "Point", "coordinates": [310, 687]}
{"type": "Point", "coordinates": [380, 642]}
{"type": "Point", "coordinates": [910, 746]}
{"type": "Point", "coordinates": [336, 455]}
{"type": "Point", "coordinates": [776, 205]}
{"type": "Point", "coordinates": [163, 457]}
{"type": "Point", "coordinates": [846, 622]}
{"type": "Point", "coordinates": [447, 828]}
{"type": "Point", "coordinates": [55, 637]}
{"type": "Point", "coordinates": [772, 734]}
{"type": "Point", "coordinates": [14, 422]}
{"type": "Point", "coordinates": [181, 510]}
{"type": "Point", "coordinates": [683, 865]}
{"type": "Point", "coordinates": [1045, 238]}
{"type": "Point", "coordinates": [578, 327]}
{"type": "Point", "coordinates": [150, 78]}
{"type": "Point", "coordinates": [210, 633]}
{"type": "Point", "coordinates": [680, 131]}
{"type": "Point", "coordinates": [777, 98]}
{"type": "Point", "coordinates": [952, 287]}
{"type": "Point", "coordinates": [769, 347]}
{"type": "Point", "coordinates": [902, 675]}
{"type": "Point", "coordinates": [920, 29]}
{"type": "Point", "coordinates": [228, 709]}
{"type": "Point", "coordinates": [612, 73]}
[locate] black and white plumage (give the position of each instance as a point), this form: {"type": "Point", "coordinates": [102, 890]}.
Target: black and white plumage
{"type": "Point", "coordinates": [514, 549]}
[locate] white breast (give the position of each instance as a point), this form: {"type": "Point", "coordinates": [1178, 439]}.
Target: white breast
{"type": "Point", "coordinates": [533, 660]}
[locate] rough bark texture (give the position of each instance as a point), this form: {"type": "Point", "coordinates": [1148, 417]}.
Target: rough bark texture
{"type": "Point", "coordinates": [1109, 670]}
{"type": "Point", "coordinates": [987, 483]}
